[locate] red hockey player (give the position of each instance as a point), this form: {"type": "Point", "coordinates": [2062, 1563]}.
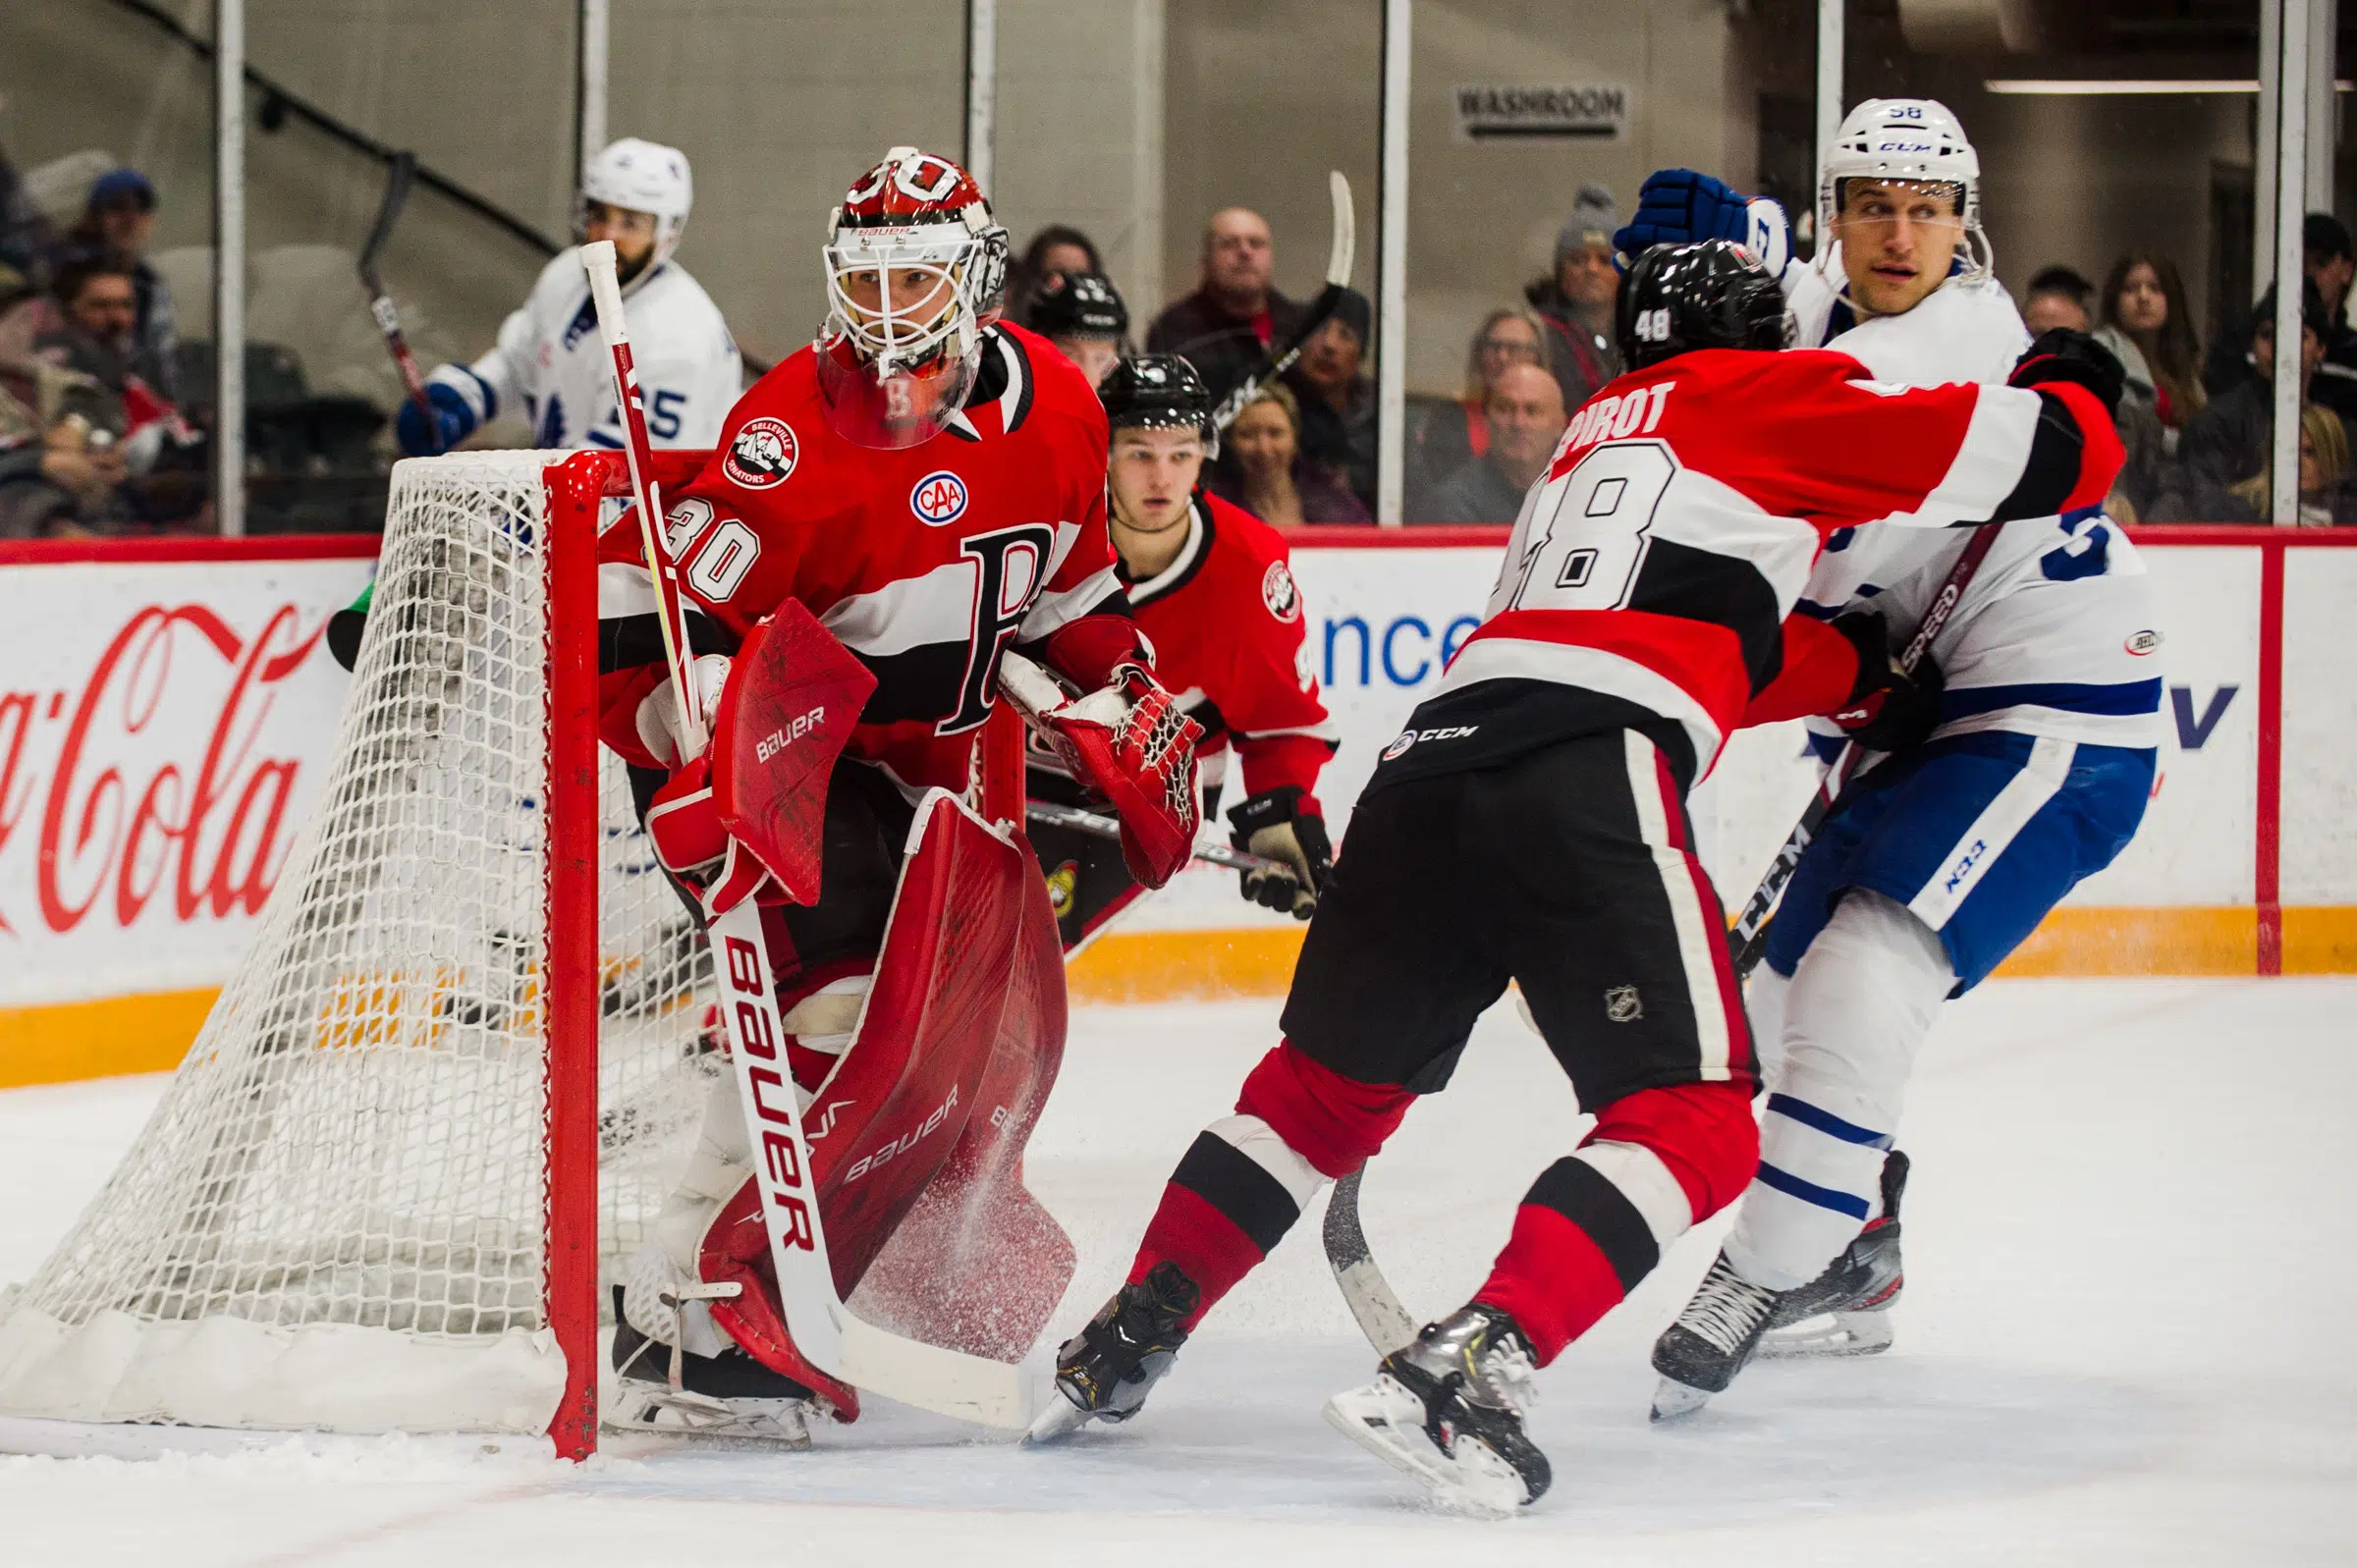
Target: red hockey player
{"type": "Point", "coordinates": [1213, 589]}
{"type": "Point", "coordinates": [927, 481]}
{"type": "Point", "coordinates": [1530, 824]}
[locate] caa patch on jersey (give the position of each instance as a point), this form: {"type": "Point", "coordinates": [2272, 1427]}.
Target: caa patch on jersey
{"type": "Point", "coordinates": [939, 499]}
{"type": "Point", "coordinates": [1277, 592]}
{"type": "Point", "coordinates": [764, 453]}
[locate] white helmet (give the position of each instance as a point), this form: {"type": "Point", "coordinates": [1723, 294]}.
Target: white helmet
{"type": "Point", "coordinates": [643, 176]}
{"type": "Point", "coordinates": [1905, 138]}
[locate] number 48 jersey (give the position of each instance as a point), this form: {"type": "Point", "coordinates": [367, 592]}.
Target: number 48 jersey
{"type": "Point", "coordinates": [927, 562]}
{"type": "Point", "coordinates": [1653, 569]}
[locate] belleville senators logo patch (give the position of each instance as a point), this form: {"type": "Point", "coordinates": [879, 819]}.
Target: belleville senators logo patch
{"type": "Point", "coordinates": [763, 454]}
{"type": "Point", "coordinates": [1277, 592]}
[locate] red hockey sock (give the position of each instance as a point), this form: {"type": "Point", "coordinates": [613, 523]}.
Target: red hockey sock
{"type": "Point", "coordinates": [1243, 1183]}
{"type": "Point", "coordinates": [1595, 1224]}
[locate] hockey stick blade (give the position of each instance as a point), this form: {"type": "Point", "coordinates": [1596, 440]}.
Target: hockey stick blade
{"type": "Point", "coordinates": [1281, 358]}
{"type": "Point", "coordinates": [1372, 1302]}
{"type": "Point", "coordinates": [1747, 939]}
{"type": "Point", "coordinates": [1097, 826]}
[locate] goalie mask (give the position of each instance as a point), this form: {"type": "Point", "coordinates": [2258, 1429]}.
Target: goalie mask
{"type": "Point", "coordinates": [915, 265]}
{"type": "Point", "coordinates": [1906, 141]}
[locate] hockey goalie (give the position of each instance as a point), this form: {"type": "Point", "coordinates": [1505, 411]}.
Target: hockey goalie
{"type": "Point", "coordinates": [890, 512]}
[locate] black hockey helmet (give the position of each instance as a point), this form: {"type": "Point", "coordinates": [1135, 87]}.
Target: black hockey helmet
{"type": "Point", "coordinates": [1709, 294]}
{"type": "Point", "coordinates": [1078, 305]}
{"type": "Point", "coordinates": [1159, 391]}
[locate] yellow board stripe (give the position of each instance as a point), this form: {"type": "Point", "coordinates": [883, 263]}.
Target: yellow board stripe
{"type": "Point", "coordinates": [150, 1033]}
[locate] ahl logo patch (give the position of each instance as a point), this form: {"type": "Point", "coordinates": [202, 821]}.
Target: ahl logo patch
{"type": "Point", "coordinates": [1278, 593]}
{"type": "Point", "coordinates": [763, 454]}
{"type": "Point", "coordinates": [939, 499]}
{"type": "Point", "coordinates": [1399, 747]}
{"type": "Point", "coordinates": [1622, 1005]}
{"type": "Point", "coordinates": [2141, 644]}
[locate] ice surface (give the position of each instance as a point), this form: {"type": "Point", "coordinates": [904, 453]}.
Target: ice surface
{"type": "Point", "coordinates": [2123, 1340]}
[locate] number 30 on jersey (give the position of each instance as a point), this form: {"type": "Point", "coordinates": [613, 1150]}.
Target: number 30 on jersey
{"type": "Point", "coordinates": [1587, 531]}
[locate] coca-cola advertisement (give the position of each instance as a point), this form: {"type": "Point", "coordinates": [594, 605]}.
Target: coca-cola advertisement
{"type": "Point", "coordinates": [163, 729]}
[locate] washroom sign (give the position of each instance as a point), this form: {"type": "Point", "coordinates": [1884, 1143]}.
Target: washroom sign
{"type": "Point", "coordinates": [1541, 110]}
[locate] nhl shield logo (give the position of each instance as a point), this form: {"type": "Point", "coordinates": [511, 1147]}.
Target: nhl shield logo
{"type": "Point", "coordinates": [939, 499]}
{"type": "Point", "coordinates": [1622, 1005]}
{"type": "Point", "coordinates": [1277, 592]}
{"type": "Point", "coordinates": [763, 454]}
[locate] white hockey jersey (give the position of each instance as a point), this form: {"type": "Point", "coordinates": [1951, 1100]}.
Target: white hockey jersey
{"type": "Point", "coordinates": [550, 367]}
{"type": "Point", "coordinates": [2058, 634]}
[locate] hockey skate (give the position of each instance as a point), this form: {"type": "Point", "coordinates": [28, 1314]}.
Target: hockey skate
{"type": "Point", "coordinates": [664, 1388]}
{"type": "Point", "coordinates": [1699, 1355]}
{"type": "Point", "coordinates": [1449, 1410]}
{"type": "Point", "coordinates": [1846, 1310]}
{"type": "Point", "coordinates": [1104, 1372]}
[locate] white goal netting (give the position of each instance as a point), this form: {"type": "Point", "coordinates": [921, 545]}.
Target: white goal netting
{"type": "Point", "coordinates": [335, 1219]}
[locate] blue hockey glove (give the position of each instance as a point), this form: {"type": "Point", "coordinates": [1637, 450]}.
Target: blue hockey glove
{"type": "Point", "coordinates": [1679, 206]}
{"type": "Point", "coordinates": [453, 422]}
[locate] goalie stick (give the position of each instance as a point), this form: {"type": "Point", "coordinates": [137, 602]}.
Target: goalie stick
{"type": "Point", "coordinates": [826, 1331]}
{"type": "Point", "coordinates": [1372, 1301]}
{"type": "Point", "coordinates": [1281, 356]}
{"type": "Point", "coordinates": [398, 174]}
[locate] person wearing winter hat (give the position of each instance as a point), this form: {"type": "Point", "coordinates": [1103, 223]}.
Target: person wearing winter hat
{"type": "Point", "coordinates": [1576, 299]}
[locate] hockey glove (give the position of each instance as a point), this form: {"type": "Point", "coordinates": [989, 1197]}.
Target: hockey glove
{"type": "Point", "coordinates": [1273, 826]}
{"type": "Point", "coordinates": [1888, 709]}
{"type": "Point", "coordinates": [1679, 206]}
{"type": "Point", "coordinates": [684, 824]}
{"type": "Point", "coordinates": [452, 421]}
{"type": "Point", "coordinates": [2061, 355]}
{"type": "Point", "coordinates": [1131, 743]}
{"type": "Point", "coordinates": [661, 729]}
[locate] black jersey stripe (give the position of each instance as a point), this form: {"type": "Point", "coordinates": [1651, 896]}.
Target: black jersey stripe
{"type": "Point", "coordinates": [1236, 1184]}
{"type": "Point", "coordinates": [1586, 1196]}
{"type": "Point", "coordinates": [1677, 579]}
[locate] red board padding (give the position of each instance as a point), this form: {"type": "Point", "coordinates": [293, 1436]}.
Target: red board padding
{"type": "Point", "coordinates": [792, 697]}
{"type": "Point", "coordinates": [917, 1138]}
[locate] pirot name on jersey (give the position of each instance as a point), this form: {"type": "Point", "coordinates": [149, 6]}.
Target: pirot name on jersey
{"type": "Point", "coordinates": [1227, 629]}
{"type": "Point", "coordinates": [1650, 574]}
{"type": "Point", "coordinates": [927, 562]}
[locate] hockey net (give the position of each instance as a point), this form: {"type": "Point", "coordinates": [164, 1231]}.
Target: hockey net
{"type": "Point", "coordinates": [449, 1085]}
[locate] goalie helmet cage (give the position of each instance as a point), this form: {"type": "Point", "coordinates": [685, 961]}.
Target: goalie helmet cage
{"type": "Point", "coordinates": [451, 1081]}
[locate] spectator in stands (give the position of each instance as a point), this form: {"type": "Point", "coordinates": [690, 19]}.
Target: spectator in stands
{"type": "Point", "coordinates": [2148, 326]}
{"type": "Point", "coordinates": [96, 343]}
{"type": "Point", "coordinates": [120, 220]}
{"type": "Point", "coordinates": [24, 238]}
{"type": "Point", "coordinates": [2226, 447]}
{"type": "Point", "coordinates": [1271, 479]}
{"type": "Point", "coordinates": [2324, 464]}
{"type": "Point", "coordinates": [1525, 412]}
{"type": "Point", "coordinates": [1058, 248]}
{"type": "Point", "coordinates": [2058, 296]}
{"type": "Point", "coordinates": [1446, 434]}
{"type": "Point", "coordinates": [1576, 299]}
{"type": "Point", "coordinates": [1337, 398]}
{"type": "Point", "coordinates": [1226, 325]}
{"type": "Point", "coordinates": [2328, 260]}
{"type": "Point", "coordinates": [63, 485]}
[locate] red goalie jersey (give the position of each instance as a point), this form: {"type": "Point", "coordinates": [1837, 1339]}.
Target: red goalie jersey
{"type": "Point", "coordinates": [927, 562]}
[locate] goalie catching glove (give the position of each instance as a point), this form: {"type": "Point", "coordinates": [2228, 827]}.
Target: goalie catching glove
{"type": "Point", "coordinates": [1273, 826]}
{"type": "Point", "coordinates": [1130, 742]}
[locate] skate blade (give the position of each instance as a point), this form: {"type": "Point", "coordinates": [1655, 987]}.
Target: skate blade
{"type": "Point", "coordinates": [1057, 1421]}
{"type": "Point", "coordinates": [1835, 1333]}
{"type": "Point", "coordinates": [696, 1420]}
{"type": "Point", "coordinates": [1388, 1422]}
{"type": "Point", "coordinates": [1673, 1401]}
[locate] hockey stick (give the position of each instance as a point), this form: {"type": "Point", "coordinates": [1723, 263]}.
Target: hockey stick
{"type": "Point", "coordinates": [1281, 356]}
{"type": "Point", "coordinates": [826, 1331]}
{"type": "Point", "coordinates": [1101, 827]}
{"type": "Point", "coordinates": [1369, 1296]}
{"type": "Point", "coordinates": [402, 171]}
{"type": "Point", "coordinates": [1749, 936]}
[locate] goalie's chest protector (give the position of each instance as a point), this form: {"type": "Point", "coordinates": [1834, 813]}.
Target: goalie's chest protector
{"type": "Point", "coordinates": [927, 562]}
